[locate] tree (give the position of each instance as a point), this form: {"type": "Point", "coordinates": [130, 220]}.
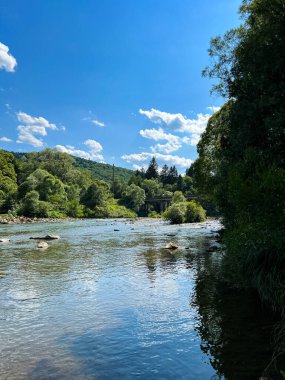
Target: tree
{"type": "Point", "coordinates": [189, 172]}
{"type": "Point", "coordinates": [178, 197]}
{"type": "Point", "coordinates": [96, 195]}
{"type": "Point", "coordinates": [172, 175]}
{"type": "Point", "coordinates": [152, 170]}
{"type": "Point", "coordinates": [164, 174]}
{"type": "Point", "coordinates": [241, 156]}
{"type": "Point", "coordinates": [119, 188]}
{"type": "Point", "coordinates": [45, 184]}
{"type": "Point", "coordinates": [151, 187]}
{"type": "Point", "coordinates": [134, 197]}
{"type": "Point", "coordinates": [8, 180]}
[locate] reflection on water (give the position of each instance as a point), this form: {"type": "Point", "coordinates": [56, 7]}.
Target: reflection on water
{"type": "Point", "coordinates": [105, 304]}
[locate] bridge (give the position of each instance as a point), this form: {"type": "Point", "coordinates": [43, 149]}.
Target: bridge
{"type": "Point", "coordinates": [160, 204]}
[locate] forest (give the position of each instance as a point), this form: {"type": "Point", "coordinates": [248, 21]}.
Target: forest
{"type": "Point", "coordinates": [57, 185]}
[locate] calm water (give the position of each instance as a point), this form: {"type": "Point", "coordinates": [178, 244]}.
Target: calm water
{"type": "Point", "coordinates": [105, 304]}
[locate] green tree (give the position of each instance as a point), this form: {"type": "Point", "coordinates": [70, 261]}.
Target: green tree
{"type": "Point", "coordinates": [172, 175]}
{"type": "Point", "coordinates": [96, 195]}
{"type": "Point", "coordinates": [8, 180]}
{"type": "Point", "coordinates": [134, 197]}
{"type": "Point", "coordinates": [241, 158]}
{"type": "Point", "coordinates": [178, 197]}
{"type": "Point", "coordinates": [164, 174]}
{"type": "Point", "coordinates": [151, 187]}
{"type": "Point", "coordinates": [152, 170]}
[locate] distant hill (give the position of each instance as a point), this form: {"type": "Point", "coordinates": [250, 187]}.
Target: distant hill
{"type": "Point", "coordinates": [99, 170]}
{"type": "Point", "coordinates": [103, 171]}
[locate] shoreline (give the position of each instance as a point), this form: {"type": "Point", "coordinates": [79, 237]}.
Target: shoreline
{"type": "Point", "coordinates": [4, 220]}
{"type": "Point", "coordinates": [27, 220]}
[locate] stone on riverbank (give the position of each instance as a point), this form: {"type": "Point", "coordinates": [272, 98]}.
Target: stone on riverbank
{"type": "Point", "coordinates": [171, 246]}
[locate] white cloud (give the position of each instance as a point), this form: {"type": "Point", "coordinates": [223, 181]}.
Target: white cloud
{"type": "Point", "coordinates": [98, 123]}
{"type": "Point", "coordinates": [7, 61]}
{"type": "Point", "coordinates": [166, 148]}
{"type": "Point", "coordinates": [159, 134]}
{"type": "Point", "coordinates": [173, 142]}
{"type": "Point", "coordinates": [93, 153]}
{"type": "Point", "coordinates": [170, 159]}
{"type": "Point", "coordinates": [177, 121]}
{"type": "Point", "coordinates": [139, 167]}
{"type": "Point", "coordinates": [30, 127]}
{"type": "Point", "coordinates": [94, 145]}
{"type": "Point", "coordinates": [5, 139]}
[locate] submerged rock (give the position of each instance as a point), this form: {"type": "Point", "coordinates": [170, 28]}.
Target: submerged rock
{"type": "Point", "coordinates": [42, 245]}
{"type": "Point", "coordinates": [171, 245]}
{"type": "Point", "coordinates": [47, 237]}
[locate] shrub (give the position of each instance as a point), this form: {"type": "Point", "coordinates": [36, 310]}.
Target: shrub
{"type": "Point", "coordinates": [176, 213]}
{"type": "Point", "coordinates": [194, 212]}
{"type": "Point", "coordinates": [154, 214]}
{"type": "Point", "coordinates": [178, 197]}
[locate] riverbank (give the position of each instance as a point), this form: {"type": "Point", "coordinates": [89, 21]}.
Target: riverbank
{"type": "Point", "coordinates": [27, 220]}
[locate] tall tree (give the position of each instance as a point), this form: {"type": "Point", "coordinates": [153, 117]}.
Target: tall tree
{"type": "Point", "coordinates": [164, 174]}
{"type": "Point", "coordinates": [172, 175]}
{"type": "Point", "coordinates": [244, 158]}
{"type": "Point", "coordinates": [152, 170]}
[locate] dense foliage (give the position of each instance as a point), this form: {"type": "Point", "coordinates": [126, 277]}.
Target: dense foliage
{"type": "Point", "coordinates": [98, 170]}
{"type": "Point", "coordinates": [53, 184]}
{"type": "Point", "coordinates": [185, 212]}
{"type": "Point", "coordinates": [49, 184]}
{"type": "Point", "coordinates": [241, 164]}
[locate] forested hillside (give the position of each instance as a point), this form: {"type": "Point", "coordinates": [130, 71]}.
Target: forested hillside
{"type": "Point", "coordinates": [99, 170]}
{"type": "Point", "coordinates": [54, 184]}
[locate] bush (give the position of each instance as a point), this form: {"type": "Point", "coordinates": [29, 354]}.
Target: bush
{"type": "Point", "coordinates": [178, 197]}
{"type": "Point", "coordinates": [185, 212]}
{"type": "Point", "coordinates": [154, 214]}
{"type": "Point", "coordinates": [56, 214]}
{"type": "Point", "coordinates": [176, 213]}
{"type": "Point", "coordinates": [194, 212]}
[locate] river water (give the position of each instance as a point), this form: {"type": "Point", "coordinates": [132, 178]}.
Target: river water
{"type": "Point", "coordinates": [107, 304]}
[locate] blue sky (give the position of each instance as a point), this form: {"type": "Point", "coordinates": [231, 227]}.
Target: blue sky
{"type": "Point", "coordinates": [115, 80]}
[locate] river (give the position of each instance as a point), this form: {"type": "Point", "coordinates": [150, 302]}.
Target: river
{"type": "Point", "coordinates": [107, 301]}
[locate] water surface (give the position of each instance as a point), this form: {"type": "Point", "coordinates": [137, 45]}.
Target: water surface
{"type": "Point", "coordinates": [106, 304]}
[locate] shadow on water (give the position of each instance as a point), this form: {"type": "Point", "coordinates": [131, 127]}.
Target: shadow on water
{"type": "Point", "coordinates": [236, 329]}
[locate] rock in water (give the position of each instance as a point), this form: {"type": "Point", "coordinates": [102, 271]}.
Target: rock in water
{"type": "Point", "coordinates": [42, 245]}
{"type": "Point", "coordinates": [47, 237]}
{"type": "Point", "coordinates": [171, 245]}
{"type": "Point", "coordinates": [4, 240]}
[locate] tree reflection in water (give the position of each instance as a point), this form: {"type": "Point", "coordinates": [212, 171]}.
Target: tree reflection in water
{"type": "Point", "coordinates": [235, 328]}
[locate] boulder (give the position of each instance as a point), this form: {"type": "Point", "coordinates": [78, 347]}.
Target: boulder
{"type": "Point", "coordinates": [171, 246]}
{"type": "Point", "coordinates": [47, 237]}
{"type": "Point", "coordinates": [42, 245]}
{"type": "Point", "coordinates": [4, 240]}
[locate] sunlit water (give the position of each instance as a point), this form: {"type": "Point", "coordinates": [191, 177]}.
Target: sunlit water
{"type": "Point", "coordinates": [106, 304]}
